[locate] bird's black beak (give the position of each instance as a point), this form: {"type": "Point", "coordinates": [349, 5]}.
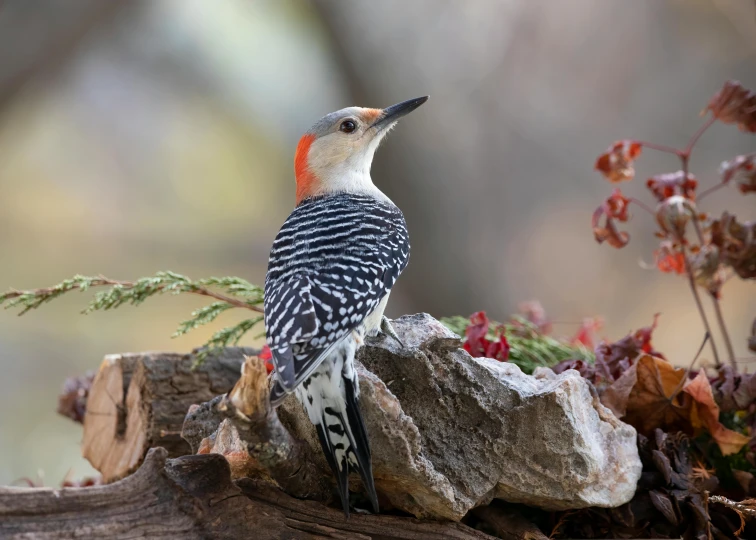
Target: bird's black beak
{"type": "Point", "coordinates": [395, 112]}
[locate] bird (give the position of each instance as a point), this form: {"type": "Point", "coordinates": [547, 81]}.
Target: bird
{"type": "Point", "coordinates": [330, 273]}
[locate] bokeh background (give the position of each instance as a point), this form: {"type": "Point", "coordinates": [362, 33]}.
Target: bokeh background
{"type": "Point", "coordinates": [138, 136]}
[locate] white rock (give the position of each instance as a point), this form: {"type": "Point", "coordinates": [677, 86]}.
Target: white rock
{"type": "Point", "coordinates": [450, 432]}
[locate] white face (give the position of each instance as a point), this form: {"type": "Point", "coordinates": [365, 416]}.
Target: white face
{"type": "Point", "coordinates": [348, 145]}
{"type": "Point", "coordinates": [342, 154]}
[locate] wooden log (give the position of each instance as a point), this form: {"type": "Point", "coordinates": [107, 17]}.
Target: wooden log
{"type": "Point", "coordinates": [193, 497]}
{"type": "Point", "coordinates": [139, 401]}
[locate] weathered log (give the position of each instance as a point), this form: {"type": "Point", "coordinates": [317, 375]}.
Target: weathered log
{"type": "Point", "coordinates": [139, 401]}
{"type": "Point", "coordinates": [193, 497]}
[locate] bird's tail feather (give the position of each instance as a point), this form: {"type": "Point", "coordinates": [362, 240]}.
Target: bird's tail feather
{"type": "Point", "coordinates": [360, 441]}
{"type": "Point", "coordinates": [345, 445]}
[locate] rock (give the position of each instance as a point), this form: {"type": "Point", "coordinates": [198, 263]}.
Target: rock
{"type": "Point", "coordinates": [450, 432]}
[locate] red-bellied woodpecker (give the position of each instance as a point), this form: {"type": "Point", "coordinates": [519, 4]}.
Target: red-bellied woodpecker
{"type": "Point", "coordinates": [330, 272]}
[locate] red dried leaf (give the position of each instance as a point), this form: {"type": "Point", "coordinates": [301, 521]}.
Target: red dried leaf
{"type": "Point", "coordinates": [499, 349]}
{"type": "Point", "coordinates": [670, 258]}
{"type": "Point", "coordinates": [616, 163]}
{"type": "Point", "coordinates": [477, 342]}
{"type": "Point", "coordinates": [267, 356]}
{"type": "Point", "coordinates": [613, 208]}
{"type": "Point", "coordinates": [742, 168]}
{"type": "Point", "coordinates": [734, 104]}
{"type": "Point", "coordinates": [643, 337]}
{"type": "Point", "coordinates": [585, 333]}
{"type": "Point", "coordinates": [615, 359]}
{"type": "Point", "coordinates": [666, 185]}
{"type": "Point", "coordinates": [475, 334]}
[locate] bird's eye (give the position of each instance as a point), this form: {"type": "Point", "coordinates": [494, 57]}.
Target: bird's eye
{"type": "Point", "coordinates": [347, 126]}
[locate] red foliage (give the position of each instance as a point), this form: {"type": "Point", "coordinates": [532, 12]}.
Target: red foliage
{"type": "Point", "coordinates": [613, 208]}
{"type": "Point", "coordinates": [477, 342]}
{"type": "Point", "coordinates": [616, 164]}
{"type": "Point", "coordinates": [665, 185]}
{"type": "Point", "coordinates": [612, 359]}
{"type": "Point", "coordinates": [670, 258]}
{"type": "Point", "coordinates": [585, 333]}
{"type": "Point", "coordinates": [643, 338]}
{"type": "Point", "coordinates": [734, 104]}
{"type": "Point", "coordinates": [742, 167]}
{"type": "Point", "coordinates": [267, 356]}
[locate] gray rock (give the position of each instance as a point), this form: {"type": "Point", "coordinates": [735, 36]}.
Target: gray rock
{"type": "Point", "coordinates": [450, 432]}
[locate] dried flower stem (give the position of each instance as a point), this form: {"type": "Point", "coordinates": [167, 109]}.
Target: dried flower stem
{"type": "Point", "coordinates": [641, 204]}
{"type": "Point", "coordinates": [725, 333]}
{"type": "Point", "coordinates": [701, 312]}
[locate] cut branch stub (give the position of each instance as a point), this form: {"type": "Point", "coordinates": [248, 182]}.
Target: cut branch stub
{"type": "Point", "coordinates": [252, 438]}
{"type": "Point", "coordinates": [139, 401]}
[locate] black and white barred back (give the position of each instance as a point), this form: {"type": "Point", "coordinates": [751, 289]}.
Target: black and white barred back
{"type": "Point", "coordinates": [334, 260]}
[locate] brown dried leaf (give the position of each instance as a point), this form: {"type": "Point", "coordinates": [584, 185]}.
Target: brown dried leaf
{"type": "Point", "coordinates": [656, 401]}
{"type": "Point", "coordinates": [664, 505]}
{"type": "Point", "coordinates": [737, 244]}
{"type": "Point", "coordinates": [735, 104]}
{"type": "Point", "coordinates": [705, 413]}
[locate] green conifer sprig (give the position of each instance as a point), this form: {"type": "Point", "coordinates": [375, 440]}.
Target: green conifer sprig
{"type": "Point", "coordinates": [230, 292]}
{"type": "Point", "coordinates": [226, 337]}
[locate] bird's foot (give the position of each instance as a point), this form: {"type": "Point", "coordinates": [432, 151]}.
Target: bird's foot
{"type": "Point", "coordinates": [387, 329]}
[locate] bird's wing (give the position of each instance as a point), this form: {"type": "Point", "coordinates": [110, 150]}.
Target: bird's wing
{"type": "Point", "coordinates": [332, 263]}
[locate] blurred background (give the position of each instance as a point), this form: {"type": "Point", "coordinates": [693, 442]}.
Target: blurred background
{"type": "Point", "coordinates": [138, 136]}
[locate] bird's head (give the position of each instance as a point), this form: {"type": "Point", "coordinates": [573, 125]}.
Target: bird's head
{"type": "Point", "coordinates": [335, 155]}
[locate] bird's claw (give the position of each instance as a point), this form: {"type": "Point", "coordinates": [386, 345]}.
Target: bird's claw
{"type": "Point", "coordinates": [387, 329]}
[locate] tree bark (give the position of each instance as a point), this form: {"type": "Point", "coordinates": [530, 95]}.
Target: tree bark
{"type": "Point", "coordinates": [193, 497]}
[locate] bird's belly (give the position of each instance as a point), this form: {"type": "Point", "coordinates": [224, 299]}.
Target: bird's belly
{"type": "Point", "coordinates": [372, 323]}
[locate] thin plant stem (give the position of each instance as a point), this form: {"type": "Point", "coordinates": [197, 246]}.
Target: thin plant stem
{"type": "Point", "coordinates": [710, 190]}
{"type": "Point", "coordinates": [725, 333]}
{"type": "Point", "coordinates": [701, 312]}
{"type": "Point", "coordinates": [697, 135]}
{"type": "Point", "coordinates": [697, 227]}
{"type": "Point", "coordinates": [682, 382]}
{"type": "Point", "coordinates": [641, 204]}
{"type": "Point", "coordinates": [660, 148]}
